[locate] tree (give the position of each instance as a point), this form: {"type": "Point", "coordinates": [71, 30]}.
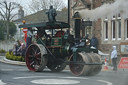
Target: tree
{"type": "Point", "coordinates": [38, 5]}
{"type": "Point", "coordinates": [7, 12]}
{"type": "Point", "coordinates": [12, 29]}
{"type": "Point", "coordinates": [2, 30]}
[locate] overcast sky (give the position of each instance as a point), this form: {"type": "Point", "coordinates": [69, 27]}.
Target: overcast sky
{"type": "Point", "coordinates": [25, 3]}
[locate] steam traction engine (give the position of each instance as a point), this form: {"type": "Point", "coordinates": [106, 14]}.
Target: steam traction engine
{"type": "Point", "coordinates": [58, 49]}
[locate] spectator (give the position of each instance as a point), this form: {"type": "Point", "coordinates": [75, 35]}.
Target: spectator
{"type": "Point", "coordinates": [16, 48]}
{"type": "Point", "coordinates": [87, 40]}
{"type": "Point", "coordinates": [94, 41]}
{"type": "Point", "coordinates": [29, 37]}
{"type": "Point", "coordinates": [114, 58]}
{"type": "Point", "coordinates": [22, 46]}
{"type": "Point", "coordinates": [25, 33]}
{"type": "Point", "coordinates": [17, 44]}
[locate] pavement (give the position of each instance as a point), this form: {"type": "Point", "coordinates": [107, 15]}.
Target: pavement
{"type": "Point", "coordinates": [4, 60]}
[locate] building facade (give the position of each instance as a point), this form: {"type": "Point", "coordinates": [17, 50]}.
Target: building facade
{"type": "Point", "coordinates": [115, 32]}
{"type": "Point", "coordinates": [95, 29]}
{"type": "Point", "coordinates": [109, 30]}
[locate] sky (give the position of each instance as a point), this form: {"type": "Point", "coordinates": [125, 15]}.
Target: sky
{"type": "Point", "coordinates": [25, 3]}
{"type": "Point", "coordinates": [108, 10]}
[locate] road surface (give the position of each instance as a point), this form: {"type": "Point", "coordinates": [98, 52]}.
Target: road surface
{"type": "Point", "coordinates": [20, 75]}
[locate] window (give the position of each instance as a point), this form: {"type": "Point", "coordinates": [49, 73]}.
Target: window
{"type": "Point", "coordinates": [113, 30]}
{"type": "Point", "coordinates": [119, 29]}
{"type": "Point", "coordinates": [119, 16]}
{"type": "Point", "coordinates": [126, 28]}
{"type": "Point", "coordinates": [114, 17]}
{"type": "Point", "coordinates": [89, 6]}
{"type": "Point", "coordinates": [106, 30]}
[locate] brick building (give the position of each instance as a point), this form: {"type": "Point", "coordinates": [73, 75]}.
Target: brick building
{"type": "Point", "coordinates": [109, 30]}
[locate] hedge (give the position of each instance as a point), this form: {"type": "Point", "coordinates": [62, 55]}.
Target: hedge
{"type": "Point", "coordinates": [2, 51]}
{"type": "Point", "coordinates": [10, 56]}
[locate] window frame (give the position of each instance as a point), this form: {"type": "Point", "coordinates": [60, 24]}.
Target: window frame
{"type": "Point", "coordinates": [113, 28]}
{"type": "Point", "coordinates": [119, 28]}
{"type": "Point", "coordinates": [106, 28]}
{"type": "Point", "coordinates": [126, 29]}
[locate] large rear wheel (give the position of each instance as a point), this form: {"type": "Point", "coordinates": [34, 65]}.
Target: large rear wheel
{"type": "Point", "coordinates": [57, 67]}
{"type": "Point", "coordinates": [36, 59]}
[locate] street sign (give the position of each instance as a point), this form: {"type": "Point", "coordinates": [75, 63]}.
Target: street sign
{"type": "Point", "coordinates": [25, 30]}
{"type": "Point", "coordinates": [123, 63]}
{"type": "Point", "coordinates": [123, 48]}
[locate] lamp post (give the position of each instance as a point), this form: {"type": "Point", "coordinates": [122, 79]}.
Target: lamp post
{"type": "Point", "coordinates": [69, 15]}
{"type": "Point", "coordinates": [68, 11]}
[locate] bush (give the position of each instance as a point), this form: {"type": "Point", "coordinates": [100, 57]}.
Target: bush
{"type": "Point", "coordinates": [10, 56]}
{"type": "Point", "coordinates": [2, 51]}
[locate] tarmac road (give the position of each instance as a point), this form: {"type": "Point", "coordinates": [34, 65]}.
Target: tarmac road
{"type": "Point", "coordinates": [16, 74]}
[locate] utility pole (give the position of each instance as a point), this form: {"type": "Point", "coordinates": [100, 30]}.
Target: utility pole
{"type": "Point", "coordinates": [69, 14]}
{"type": "Point", "coordinates": [68, 11]}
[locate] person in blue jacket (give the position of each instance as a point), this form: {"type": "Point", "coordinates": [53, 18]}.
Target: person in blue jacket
{"type": "Point", "coordinates": [94, 42]}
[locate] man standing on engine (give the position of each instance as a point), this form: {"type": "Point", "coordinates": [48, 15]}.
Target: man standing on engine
{"type": "Point", "coordinates": [51, 14]}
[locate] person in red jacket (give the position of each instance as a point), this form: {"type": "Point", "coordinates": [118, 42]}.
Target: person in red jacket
{"type": "Point", "coordinates": [25, 30]}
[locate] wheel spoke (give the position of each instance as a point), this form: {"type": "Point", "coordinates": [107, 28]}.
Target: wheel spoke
{"type": "Point", "coordinates": [32, 63]}
{"type": "Point", "coordinates": [30, 56]}
{"type": "Point", "coordinates": [33, 51]}
{"type": "Point", "coordinates": [36, 66]}
{"type": "Point", "coordinates": [37, 54]}
{"type": "Point", "coordinates": [36, 50]}
{"type": "Point", "coordinates": [39, 59]}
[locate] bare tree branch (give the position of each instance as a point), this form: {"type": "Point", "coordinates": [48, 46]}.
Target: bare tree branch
{"type": "Point", "coordinates": [6, 12]}
{"type": "Point", "coordinates": [13, 16]}
{"type": "Point", "coordinates": [2, 15]}
{"type": "Point", "coordinates": [38, 5]}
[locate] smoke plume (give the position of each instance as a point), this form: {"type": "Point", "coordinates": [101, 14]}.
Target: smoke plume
{"type": "Point", "coordinates": [106, 10]}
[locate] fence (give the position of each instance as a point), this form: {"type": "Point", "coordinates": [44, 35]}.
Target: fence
{"type": "Point", "coordinates": [6, 45]}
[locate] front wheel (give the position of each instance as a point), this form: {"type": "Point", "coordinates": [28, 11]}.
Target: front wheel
{"type": "Point", "coordinates": [81, 69]}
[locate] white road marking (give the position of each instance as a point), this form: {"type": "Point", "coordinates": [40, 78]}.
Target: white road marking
{"type": "Point", "coordinates": [55, 81]}
{"type": "Point", "coordinates": [108, 83]}
{"type": "Point", "coordinates": [2, 83]}
{"type": "Point", "coordinates": [49, 76]}
{"type": "Point", "coordinates": [59, 80]}
{"type": "Point", "coordinates": [75, 77]}
{"type": "Point", "coordinates": [7, 69]}
{"type": "Point", "coordinates": [13, 69]}
{"type": "Point", "coordinates": [32, 77]}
